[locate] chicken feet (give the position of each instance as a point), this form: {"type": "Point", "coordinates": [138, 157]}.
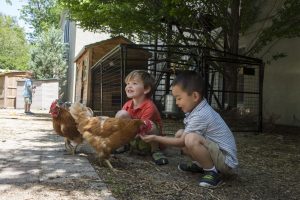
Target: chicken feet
{"type": "Point", "coordinates": [107, 162]}
{"type": "Point", "coordinates": [69, 147]}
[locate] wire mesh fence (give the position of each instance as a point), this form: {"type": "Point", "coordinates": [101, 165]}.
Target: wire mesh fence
{"type": "Point", "coordinates": [233, 84]}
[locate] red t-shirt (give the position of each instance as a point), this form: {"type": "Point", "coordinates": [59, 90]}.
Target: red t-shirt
{"type": "Point", "coordinates": [147, 110]}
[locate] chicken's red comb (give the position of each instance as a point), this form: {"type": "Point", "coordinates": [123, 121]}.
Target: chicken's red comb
{"type": "Point", "coordinates": [54, 104]}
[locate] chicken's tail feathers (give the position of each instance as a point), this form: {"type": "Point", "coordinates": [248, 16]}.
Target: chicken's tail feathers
{"type": "Point", "coordinates": [80, 112]}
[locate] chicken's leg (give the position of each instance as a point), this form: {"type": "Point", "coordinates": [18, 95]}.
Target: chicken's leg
{"type": "Point", "coordinates": [74, 149]}
{"type": "Point", "coordinates": [108, 164]}
{"type": "Point", "coordinates": [69, 147]}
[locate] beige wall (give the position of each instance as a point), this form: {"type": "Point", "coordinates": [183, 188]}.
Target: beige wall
{"type": "Point", "coordinates": [281, 85]}
{"type": "Point", "coordinates": [78, 38]}
{"type": "Point", "coordinates": [84, 38]}
{"type": "Point", "coordinates": [281, 94]}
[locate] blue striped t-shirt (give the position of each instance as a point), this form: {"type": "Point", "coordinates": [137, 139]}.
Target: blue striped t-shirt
{"type": "Point", "coordinates": [204, 120]}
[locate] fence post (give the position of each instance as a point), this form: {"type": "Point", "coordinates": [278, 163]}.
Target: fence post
{"type": "Point", "coordinates": [260, 114]}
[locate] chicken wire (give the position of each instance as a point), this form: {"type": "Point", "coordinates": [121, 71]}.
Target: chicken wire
{"type": "Point", "coordinates": [107, 87]}
{"type": "Point", "coordinates": [240, 107]}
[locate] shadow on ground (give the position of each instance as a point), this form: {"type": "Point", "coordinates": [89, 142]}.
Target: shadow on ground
{"type": "Point", "coordinates": [269, 169]}
{"type": "Point", "coordinates": [35, 165]}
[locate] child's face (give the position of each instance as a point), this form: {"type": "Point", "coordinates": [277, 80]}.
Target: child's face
{"type": "Point", "coordinates": [135, 88]}
{"type": "Point", "coordinates": [184, 101]}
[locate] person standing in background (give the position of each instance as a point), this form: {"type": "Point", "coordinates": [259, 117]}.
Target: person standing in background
{"type": "Point", "coordinates": [27, 92]}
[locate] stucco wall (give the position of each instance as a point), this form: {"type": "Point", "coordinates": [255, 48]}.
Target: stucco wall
{"type": "Point", "coordinates": [84, 38]}
{"type": "Point", "coordinates": [78, 38]}
{"type": "Point", "coordinates": [281, 95]}
{"type": "Point", "coordinates": [281, 85]}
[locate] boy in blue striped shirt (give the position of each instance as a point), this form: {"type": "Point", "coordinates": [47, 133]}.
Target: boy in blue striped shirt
{"type": "Point", "coordinates": [206, 138]}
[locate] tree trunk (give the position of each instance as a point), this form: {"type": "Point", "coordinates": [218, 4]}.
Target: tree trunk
{"type": "Point", "coordinates": [230, 75]}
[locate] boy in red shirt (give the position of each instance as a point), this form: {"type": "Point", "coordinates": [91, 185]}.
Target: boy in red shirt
{"type": "Point", "coordinates": [139, 89]}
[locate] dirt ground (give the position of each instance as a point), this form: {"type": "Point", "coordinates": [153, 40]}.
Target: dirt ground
{"type": "Point", "coordinates": [269, 169]}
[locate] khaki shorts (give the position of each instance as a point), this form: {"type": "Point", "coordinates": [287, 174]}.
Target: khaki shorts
{"type": "Point", "coordinates": [218, 158]}
{"type": "Point", "coordinates": [28, 100]}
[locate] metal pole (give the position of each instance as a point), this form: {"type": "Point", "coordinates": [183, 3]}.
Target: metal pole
{"type": "Point", "coordinates": [123, 70]}
{"type": "Point", "coordinates": [260, 114]}
{"type": "Point", "coordinates": [101, 88]}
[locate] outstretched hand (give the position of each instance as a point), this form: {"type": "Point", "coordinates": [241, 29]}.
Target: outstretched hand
{"type": "Point", "coordinates": [147, 138]}
{"type": "Point", "coordinates": [145, 128]}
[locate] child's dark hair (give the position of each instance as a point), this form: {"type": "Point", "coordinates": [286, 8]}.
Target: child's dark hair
{"type": "Point", "coordinates": [189, 81]}
{"type": "Point", "coordinates": [147, 79]}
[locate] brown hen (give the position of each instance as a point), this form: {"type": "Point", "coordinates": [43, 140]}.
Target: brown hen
{"type": "Point", "coordinates": [103, 133]}
{"type": "Point", "coordinates": [65, 126]}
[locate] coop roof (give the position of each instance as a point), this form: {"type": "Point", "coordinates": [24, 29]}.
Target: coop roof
{"type": "Point", "coordinates": [103, 42]}
{"type": "Point", "coordinates": [138, 52]}
{"type": "Point", "coordinates": [4, 72]}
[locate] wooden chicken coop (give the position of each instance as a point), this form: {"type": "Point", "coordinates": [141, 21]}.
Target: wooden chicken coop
{"type": "Point", "coordinates": [87, 58]}
{"type": "Point", "coordinates": [108, 76]}
{"type": "Point", "coordinates": [233, 83]}
{"type": "Point", "coordinates": [8, 87]}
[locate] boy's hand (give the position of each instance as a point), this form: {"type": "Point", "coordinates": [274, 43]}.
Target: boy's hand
{"type": "Point", "coordinates": [147, 138]}
{"type": "Point", "coordinates": [145, 128]}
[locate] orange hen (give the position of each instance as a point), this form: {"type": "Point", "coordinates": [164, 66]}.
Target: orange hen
{"type": "Point", "coordinates": [103, 133]}
{"type": "Point", "coordinates": [65, 126]}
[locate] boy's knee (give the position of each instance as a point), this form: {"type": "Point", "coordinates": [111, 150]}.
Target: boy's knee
{"type": "Point", "coordinates": [179, 133]}
{"type": "Point", "coordinates": [193, 139]}
{"type": "Point", "coordinates": [123, 114]}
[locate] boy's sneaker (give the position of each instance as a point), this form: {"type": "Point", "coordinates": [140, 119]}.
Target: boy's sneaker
{"type": "Point", "coordinates": [159, 158]}
{"type": "Point", "coordinates": [122, 149]}
{"type": "Point", "coordinates": [210, 179]}
{"type": "Point", "coordinates": [29, 113]}
{"type": "Point", "coordinates": [190, 167]}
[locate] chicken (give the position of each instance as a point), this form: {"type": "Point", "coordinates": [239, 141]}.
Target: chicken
{"type": "Point", "coordinates": [103, 133]}
{"type": "Point", "coordinates": [65, 126]}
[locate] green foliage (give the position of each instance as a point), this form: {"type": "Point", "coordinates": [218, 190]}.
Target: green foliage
{"type": "Point", "coordinates": [285, 24]}
{"type": "Point", "coordinates": [150, 19]}
{"type": "Point", "coordinates": [135, 17]}
{"type": "Point", "coordinates": [41, 15]}
{"type": "Point", "coordinates": [8, 2]}
{"type": "Point", "coordinates": [48, 59]}
{"type": "Point", "coordinates": [122, 17]}
{"type": "Point", "coordinates": [250, 9]}
{"type": "Point", "coordinates": [274, 57]}
{"type": "Point", "coordinates": [14, 50]}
